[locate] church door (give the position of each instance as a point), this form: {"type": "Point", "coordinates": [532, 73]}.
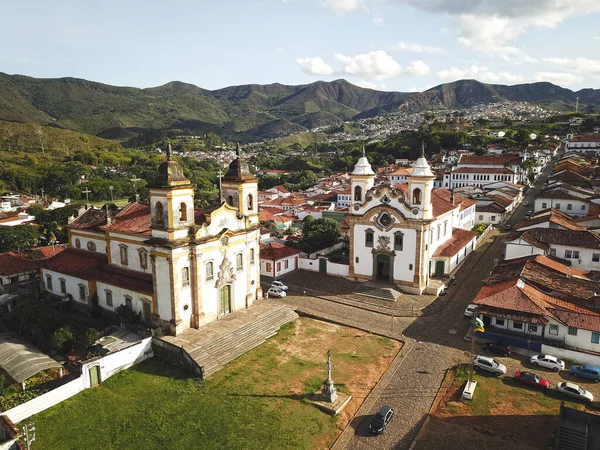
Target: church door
{"type": "Point", "coordinates": [146, 314]}
{"type": "Point", "coordinates": [439, 268]}
{"type": "Point", "coordinates": [225, 300]}
{"type": "Point", "coordinates": [383, 268]}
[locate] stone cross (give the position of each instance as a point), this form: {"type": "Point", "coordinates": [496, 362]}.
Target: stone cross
{"type": "Point", "coordinates": [87, 198]}
{"type": "Point", "coordinates": [329, 364]}
{"type": "Point", "coordinates": [329, 392]}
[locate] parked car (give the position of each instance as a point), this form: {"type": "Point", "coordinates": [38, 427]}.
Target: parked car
{"type": "Point", "coordinates": [497, 347]}
{"type": "Point", "coordinates": [279, 285]}
{"type": "Point", "coordinates": [547, 361]}
{"type": "Point", "coordinates": [488, 364]}
{"type": "Point", "coordinates": [526, 203]}
{"type": "Point", "coordinates": [532, 379]}
{"type": "Point", "coordinates": [573, 390]}
{"type": "Point", "coordinates": [589, 372]}
{"type": "Point", "coordinates": [274, 292]}
{"type": "Point", "coordinates": [470, 309]}
{"type": "Point", "coordinates": [508, 227]}
{"type": "Point", "coordinates": [381, 420]}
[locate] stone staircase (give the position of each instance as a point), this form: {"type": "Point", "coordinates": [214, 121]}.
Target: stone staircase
{"type": "Point", "coordinates": [216, 344]}
{"type": "Point", "coordinates": [572, 439]}
{"type": "Point", "coordinates": [378, 290]}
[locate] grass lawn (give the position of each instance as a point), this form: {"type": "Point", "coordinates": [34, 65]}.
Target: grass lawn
{"type": "Point", "coordinates": [118, 202]}
{"type": "Point", "coordinates": [256, 402]}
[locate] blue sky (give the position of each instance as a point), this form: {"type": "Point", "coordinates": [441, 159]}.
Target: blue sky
{"type": "Point", "coordinates": [400, 45]}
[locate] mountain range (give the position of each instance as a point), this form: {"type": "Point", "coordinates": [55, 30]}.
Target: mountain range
{"type": "Point", "coordinates": [246, 112]}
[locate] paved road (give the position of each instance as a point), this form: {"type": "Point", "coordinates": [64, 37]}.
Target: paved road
{"type": "Point", "coordinates": [433, 343]}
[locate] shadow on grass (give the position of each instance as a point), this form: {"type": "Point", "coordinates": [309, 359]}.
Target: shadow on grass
{"type": "Point", "coordinates": [159, 368]}
{"type": "Point", "coordinates": [289, 396]}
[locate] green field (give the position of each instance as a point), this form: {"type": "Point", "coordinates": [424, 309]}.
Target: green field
{"type": "Point", "coordinates": [256, 402]}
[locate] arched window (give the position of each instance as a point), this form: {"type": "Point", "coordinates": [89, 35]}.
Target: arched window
{"type": "Point", "coordinates": [182, 212]}
{"type": "Point", "coordinates": [209, 271]}
{"type": "Point", "coordinates": [445, 228]}
{"type": "Point", "coordinates": [251, 256]}
{"type": "Point", "coordinates": [129, 302]}
{"type": "Point", "coordinates": [398, 240]}
{"type": "Point", "coordinates": [82, 293]}
{"type": "Point", "coordinates": [124, 254]}
{"type": "Point", "coordinates": [357, 194]}
{"type": "Point", "coordinates": [369, 238]}
{"type": "Point", "coordinates": [143, 253]}
{"type": "Point", "coordinates": [49, 282]}
{"type": "Point", "coordinates": [230, 200]}
{"type": "Point", "coordinates": [109, 299]}
{"type": "Point", "coordinates": [250, 202]}
{"type": "Point", "coordinates": [239, 261]}
{"type": "Point", "coordinates": [185, 276]}
{"type": "Point", "coordinates": [159, 217]}
{"type": "Point", "coordinates": [416, 196]}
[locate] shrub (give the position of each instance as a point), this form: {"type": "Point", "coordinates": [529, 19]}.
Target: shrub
{"type": "Point", "coordinates": [90, 336]}
{"type": "Point", "coordinates": [63, 339]}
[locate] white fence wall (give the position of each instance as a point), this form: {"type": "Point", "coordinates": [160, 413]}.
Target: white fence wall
{"type": "Point", "coordinates": [340, 270]}
{"type": "Point", "coordinates": [327, 251]}
{"type": "Point", "coordinates": [571, 355]}
{"type": "Point", "coordinates": [308, 264]}
{"type": "Point", "coordinates": [109, 365]}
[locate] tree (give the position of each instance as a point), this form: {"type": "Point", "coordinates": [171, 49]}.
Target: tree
{"type": "Point", "coordinates": [63, 339]}
{"type": "Point", "coordinates": [318, 234]}
{"type": "Point", "coordinates": [522, 138]}
{"type": "Point", "coordinates": [19, 237]}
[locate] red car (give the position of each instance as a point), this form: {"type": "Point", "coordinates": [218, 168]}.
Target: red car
{"type": "Point", "coordinates": [532, 379]}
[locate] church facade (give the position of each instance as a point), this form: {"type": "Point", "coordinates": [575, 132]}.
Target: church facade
{"type": "Point", "coordinates": [169, 262]}
{"type": "Point", "coordinates": [405, 234]}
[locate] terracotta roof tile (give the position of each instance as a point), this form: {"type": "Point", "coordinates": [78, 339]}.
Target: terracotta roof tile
{"type": "Point", "coordinates": [92, 219]}
{"type": "Point", "coordinates": [274, 251]}
{"type": "Point", "coordinates": [459, 240]}
{"type": "Point", "coordinates": [502, 170]}
{"type": "Point", "coordinates": [134, 218]}
{"type": "Point", "coordinates": [489, 160]}
{"type": "Point", "coordinates": [552, 218]}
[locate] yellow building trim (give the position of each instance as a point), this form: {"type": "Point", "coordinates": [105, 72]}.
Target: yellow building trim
{"type": "Point", "coordinates": [129, 241]}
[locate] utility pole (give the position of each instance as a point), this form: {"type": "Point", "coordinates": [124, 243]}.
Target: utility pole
{"type": "Point", "coordinates": [576, 105]}
{"type": "Point", "coordinates": [111, 194]}
{"type": "Point", "coordinates": [87, 198]}
{"type": "Point", "coordinates": [219, 176]}
{"type": "Point", "coordinates": [42, 189]}
{"type": "Point", "coordinates": [29, 434]}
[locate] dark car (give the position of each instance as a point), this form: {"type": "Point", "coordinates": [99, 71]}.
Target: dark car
{"type": "Point", "coordinates": [381, 420]}
{"type": "Point", "coordinates": [532, 379]}
{"type": "Point", "coordinates": [497, 347]}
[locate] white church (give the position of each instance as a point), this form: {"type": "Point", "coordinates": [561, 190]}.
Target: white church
{"type": "Point", "coordinates": [171, 263]}
{"type": "Point", "coordinates": [408, 233]}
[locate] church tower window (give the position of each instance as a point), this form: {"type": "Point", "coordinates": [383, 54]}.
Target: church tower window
{"type": "Point", "coordinates": [357, 194]}
{"type": "Point", "coordinates": [398, 240]}
{"type": "Point", "coordinates": [251, 256]}
{"type": "Point", "coordinates": [209, 271]}
{"type": "Point", "coordinates": [369, 238]}
{"type": "Point", "coordinates": [230, 200]}
{"type": "Point", "coordinates": [185, 276]}
{"type": "Point", "coordinates": [159, 214]}
{"type": "Point", "coordinates": [416, 196]}
{"type": "Point", "coordinates": [250, 202]}
{"type": "Point", "coordinates": [239, 262]}
{"type": "Point", "coordinates": [183, 212]}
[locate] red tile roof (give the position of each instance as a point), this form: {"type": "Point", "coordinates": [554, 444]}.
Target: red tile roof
{"type": "Point", "coordinates": [134, 218]}
{"type": "Point", "coordinates": [459, 240]}
{"type": "Point", "coordinates": [552, 218]}
{"type": "Point", "coordinates": [489, 160]}
{"type": "Point", "coordinates": [502, 170]}
{"type": "Point", "coordinates": [275, 251]}
{"type": "Point", "coordinates": [92, 219]}
{"type": "Point", "coordinates": [11, 264]}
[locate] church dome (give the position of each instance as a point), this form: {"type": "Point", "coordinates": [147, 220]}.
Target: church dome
{"type": "Point", "coordinates": [170, 173]}
{"type": "Point", "coordinates": [363, 167]}
{"type": "Point", "coordinates": [238, 169]}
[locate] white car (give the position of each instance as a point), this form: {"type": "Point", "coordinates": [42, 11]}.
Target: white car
{"type": "Point", "coordinates": [547, 361]}
{"type": "Point", "coordinates": [489, 364]}
{"type": "Point", "coordinates": [279, 285]}
{"type": "Point", "coordinates": [470, 309]}
{"type": "Point", "coordinates": [573, 390]}
{"type": "Point", "coordinates": [274, 292]}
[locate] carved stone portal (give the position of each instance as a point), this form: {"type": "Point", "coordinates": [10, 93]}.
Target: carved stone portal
{"type": "Point", "coordinates": [226, 274]}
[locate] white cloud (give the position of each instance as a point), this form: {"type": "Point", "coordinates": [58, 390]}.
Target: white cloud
{"type": "Point", "coordinates": [366, 84]}
{"type": "Point", "coordinates": [416, 48]}
{"type": "Point", "coordinates": [314, 66]}
{"type": "Point", "coordinates": [579, 65]}
{"type": "Point", "coordinates": [345, 6]}
{"type": "Point", "coordinates": [418, 68]}
{"type": "Point", "coordinates": [480, 73]}
{"type": "Point", "coordinates": [376, 64]}
{"type": "Point", "coordinates": [563, 79]}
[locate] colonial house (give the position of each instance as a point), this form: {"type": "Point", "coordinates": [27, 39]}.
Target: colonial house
{"type": "Point", "coordinates": [549, 218]}
{"type": "Point", "coordinates": [407, 233]}
{"type": "Point", "coordinates": [490, 212]}
{"type": "Point", "coordinates": [578, 248]}
{"type": "Point", "coordinates": [400, 175]}
{"type": "Point", "coordinates": [583, 144]}
{"type": "Point", "coordinates": [277, 259]}
{"type": "Point", "coordinates": [171, 263]}
{"type": "Point", "coordinates": [562, 200]}
{"type": "Point", "coordinates": [481, 170]}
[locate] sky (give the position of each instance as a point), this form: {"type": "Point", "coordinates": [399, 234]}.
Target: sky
{"type": "Point", "coordinates": [392, 45]}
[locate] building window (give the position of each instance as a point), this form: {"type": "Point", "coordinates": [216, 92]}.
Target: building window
{"type": "Point", "coordinates": [109, 301]}
{"type": "Point", "coordinates": [573, 331]}
{"type": "Point", "coordinates": [398, 240]}
{"type": "Point", "coordinates": [369, 238]}
{"type": "Point", "coordinates": [552, 252]}
{"type": "Point", "coordinates": [583, 207]}
{"type": "Point", "coordinates": [183, 212]}
{"type": "Point", "coordinates": [49, 282]}
{"type": "Point", "coordinates": [250, 202]}
{"type": "Point", "coordinates": [278, 267]}
{"type": "Point", "coordinates": [143, 254]}
{"type": "Point", "coordinates": [209, 271]}
{"type": "Point", "coordinates": [557, 206]}
{"type": "Point", "coordinates": [553, 329]}
{"type": "Point", "coordinates": [439, 227]}
{"type": "Point", "coordinates": [251, 256]}
{"type": "Point", "coordinates": [416, 196]}
{"type": "Point", "coordinates": [185, 276]}
{"type": "Point", "coordinates": [385, 220]}
{"type": "Point", "coordinates": [91, 246]}
{"type": "Point", "coordinates": [63, 286]}
{"type": "Point", "coordinates": [77, 243]}
{"type": "Point", "coordinates": [239, 262]}
{"type": "Point", "coordinates": [357, 260]}
{"type": "Point", "coordinates": [532, 328]}
{"type": "Point", "coordinates": [493, 218]}
{"type": "Point", "coordinates": [285, 264]}
{"type": "Point", "coordinates": [575, 254]}
{"type": "Point", "coordinates": [445, 228]}
{"type": "Point", "coordinates": [595, 257]}
{"type": "Point", "coordinates": [480, 216]}
{"type": "Point", "coordinates": [123, 252]}
{"type": "Point", "coordinates": [569, 206]}
{"type": "Point", "coordinates": [595, 338]}
{"type": "Point", "coordinates": [128, 302]}
{"type": "Point", "coordinates": [269, 267]}
{"type": "Point", "coordinates": [159, 214]}
{"type": "Point", "coordinates": [410, 267]}
{"type": "Point", "coordinates": [518, 325]}
{"type": "Point", "coordinates": [357, 194]}
{"type": "Point", "coordinates": [568, 254]}
{"type": "Point", "coordinates": [230, 200]}
{"type": "Point", "coordinates": [500, 322]}
{"type": "Point", "coordinates": [82, 293]}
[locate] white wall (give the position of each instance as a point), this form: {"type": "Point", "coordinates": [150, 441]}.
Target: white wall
{"type": "Point", "coordinates": [133, 257]}
{"type": "Point", "coordinates": [516, 249]}
{"type": "Point", "coordinates": [340, 270]}
{"type": "Point", "coordinates": [118, 297]}
{"type": "Point", "coordinates": [72, 285]}
{"type": "Point", "coordinates": [308, 264]}
{"type": "Point", "coordinates": [562, 205]}
{"type": "Point", "coordinates": [85, 238]}
{"type": "Point", "coordinates": [572, 355]}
